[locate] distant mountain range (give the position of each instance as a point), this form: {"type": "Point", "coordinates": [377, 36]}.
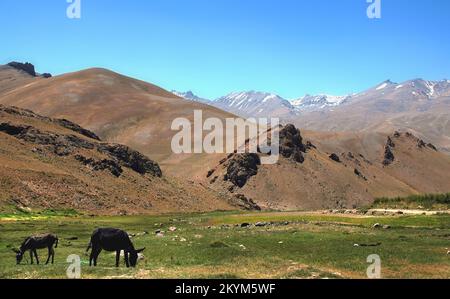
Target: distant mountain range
{"type": "Point", "coordinates": [418, 105]}
{"type": "Point", "coordinates": [254, 103]}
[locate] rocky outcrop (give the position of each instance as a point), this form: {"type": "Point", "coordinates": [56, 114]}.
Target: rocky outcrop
{"type": "Point", "coordinates": [241, 168]}
{"type": "Point", "coordinates": [132, 159]}
{"type": "Point", "coordinates": [64, 145]}
{"type": "Point", "coordinates": [57, 141]}
{"type": "Point", "coordinates": [389, 157]}
{"type": "Point", "coordinates": [291, 143]}
{"type": "Point", "coordinates": [105, 164]}
{"type": "Point", "coordinates": [76, 128]}
{"type": "Point", "coordinates": [62, 122]}
{"type": "Point", "coordinates": [26, 67]}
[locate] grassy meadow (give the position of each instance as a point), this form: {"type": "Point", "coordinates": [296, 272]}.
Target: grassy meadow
{"type": "Point", "coordinates": [214, 245]}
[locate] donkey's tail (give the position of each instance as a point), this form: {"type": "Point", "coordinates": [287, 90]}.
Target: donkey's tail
{"type": "Point", "coordinates": [89, 246]}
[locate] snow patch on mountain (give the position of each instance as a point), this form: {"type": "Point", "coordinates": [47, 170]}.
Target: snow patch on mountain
{"type": "Point", "coordinates": [189, 95]}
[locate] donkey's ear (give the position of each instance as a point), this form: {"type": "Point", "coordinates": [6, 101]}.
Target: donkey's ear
{"type": "Point", "coordinates": [140, 250]}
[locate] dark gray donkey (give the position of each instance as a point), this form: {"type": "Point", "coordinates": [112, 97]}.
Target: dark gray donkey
{"type": "Point", "coordinates": [111, 239]}
{"type": "Point", "coordinates": [37, 242]}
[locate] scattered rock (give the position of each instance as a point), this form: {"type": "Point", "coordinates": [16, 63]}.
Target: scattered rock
{"type": "Point", "coordinates": [367, 245]}
{"type": "Point", "coordinates": [359, 174]}
{"type": "Point", "coordinates": [214, 180]}
{"type": "Point", "coordinates": [172, 229]}
{"type": "Point", "coordinates": [210, 173]}
{"type": "Point", "coordinates": [386, 227]}
{"type": "Point", "coordinates": [246, 203]}
{"type": "Point", "coordinates": [245, 225]}
{"type": "Point", "coordinates": [309, 145]}
{"type": "Point", "coordinates": [261, 224]}
{"type": "Point", "coordinates": [335, 158]}
{"type": "Point", "coordinates": [376, 225]}
{"type": "Point", "coordinates": [421, 143]}
{"type": "Point", "coordinates": [432, 147]}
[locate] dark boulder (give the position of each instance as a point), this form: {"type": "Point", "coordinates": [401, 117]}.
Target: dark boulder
{"type": "Point", "coordinates": [46, 75]}
{"type": "Point", "coordinates": [241, 167]}
{"type": "Point", "coordinates": [335, 158]}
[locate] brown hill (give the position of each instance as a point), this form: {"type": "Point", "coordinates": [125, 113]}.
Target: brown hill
{"type": "Point", "coordinates": [335, 170]}
{"type": "Point", "coordinates": [128, 111]}
{"type": "Point", "coordinates": [118, 108]}
{"type": "Point", "coordinates": [54, 163]}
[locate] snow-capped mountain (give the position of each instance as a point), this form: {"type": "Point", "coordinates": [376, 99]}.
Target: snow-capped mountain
{"type": "Point", "coordinates": [311, 102]}
{"type": "Point", "coordinates": [255, 104]}
{"type": "Point", "coordinates": [189, 95]}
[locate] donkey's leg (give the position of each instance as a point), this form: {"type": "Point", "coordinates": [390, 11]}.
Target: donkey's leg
{"type": "Point", "coordinates": [91, 257]}
{"type": "Point", "coordinates": [31, 257]}
{"type": "Point", "coordinates": [117, 258]}
{"type": "Point", "coordinates": [49, 254]}
{"type": "Point", "coordinates": [96, 254]}
{"type": "Point", "coordinates": [53, 256]}
{"type": "Point", "coordinates": [36, 255]}
{"type": "Point", "coordinates": [127, 259]}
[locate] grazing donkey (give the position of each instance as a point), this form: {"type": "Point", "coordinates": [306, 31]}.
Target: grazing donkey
{"type": "Point", "coordinates": [37, 242]}
{"type": "Point", "coordinates": [111, 239]}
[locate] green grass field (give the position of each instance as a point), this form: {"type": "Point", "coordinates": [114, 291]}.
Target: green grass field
{"type": "Point", "coordinates": [311, 245]}
{"type": "Point", "coordinates": [427, 201]}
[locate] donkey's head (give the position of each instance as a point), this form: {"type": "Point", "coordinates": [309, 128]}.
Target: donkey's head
{"type": "Point", "coordinates": [19, 256]}
{"type": "Point", "coordinates": [134, 256]}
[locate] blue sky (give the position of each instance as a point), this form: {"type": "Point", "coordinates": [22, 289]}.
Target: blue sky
{"type": "Point", "coordinates": [213, 47]}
